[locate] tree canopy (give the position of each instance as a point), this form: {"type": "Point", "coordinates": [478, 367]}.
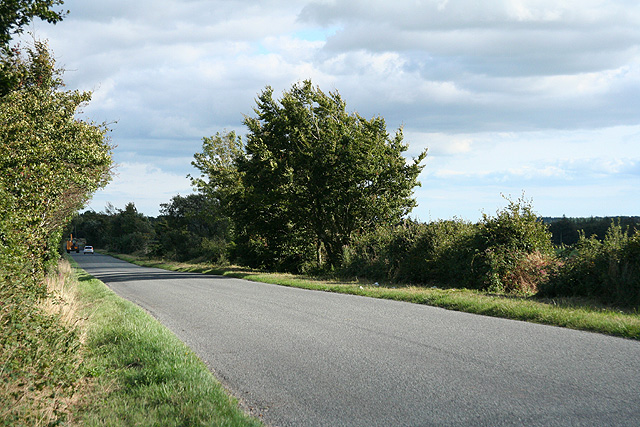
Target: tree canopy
{"type": "Point", "coordinates": [309, 177]}
{"type": "Point", "coordinates": [192, 227]}
{"type": "Point", "coordinates": [15, 14]}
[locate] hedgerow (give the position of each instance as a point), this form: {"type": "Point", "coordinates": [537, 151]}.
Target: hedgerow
{"type": "Point", "coordinates": [607, 270]}
{"type": "Point", "coordinates": [50, 164]}
{"type": "Point", "coordinates": [509, 252]}
{"type": "Point", "coordinates": [439, 252]}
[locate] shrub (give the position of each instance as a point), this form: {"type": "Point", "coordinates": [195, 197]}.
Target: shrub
{"type": "Point", "coordinates": [513, 270]}
{"type": "Point", "coordinates": [50, 164]}
{"type": "Point", "coordinates": [374, 255]}
{"type": "Point", "coordinates": [441, 254]}
{"type": "Point", "coordinates": [513, 250]}
{"type": "Point", "coordinates": [607, 270]}
{"type": "Point", "coordinates": [412, 252]}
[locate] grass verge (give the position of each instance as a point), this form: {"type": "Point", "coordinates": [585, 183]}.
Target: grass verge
{"type": "Point", "coordinates": [40, 362]}
{"type": "Point", "coordinates": [574, 313]}
{"type": "Point", "coordinates": [139, 373]}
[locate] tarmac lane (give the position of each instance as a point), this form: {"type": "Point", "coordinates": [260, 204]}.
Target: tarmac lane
{"type": "Point", "coordinates": [307, 358]}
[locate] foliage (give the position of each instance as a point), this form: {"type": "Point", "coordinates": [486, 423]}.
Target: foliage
{"type": "Point", "coordinates": [442, 254]}
{"type": "Point", "coordinates": [15, 14]}
{"type": "Point", "coordinates": [510, 252]}
{"type": "Point", "coordinates": [439, 252]}
{"type": "Point", "coordinates": [39, 361]}
{"type": "Point", "coordinates": [129, 231]}
{"type": "Point", "coordinates": [119, 230]}
{"type": "Point", "coordinates": [309, 177]}
{"type": "Point", "coordinates": [514, 250]}
{"type": "Point", "coordinates": [566, 231]}
{"type": "Point", "coordinates": [515, 226]}
{"type": "Point", "coordinates": [607, 270]}
{"type": "Point", "coordinates": [91, 228]}
{"type": "Point", "coordinates": [220, 178]}
{"type": "Point", "coordinates": [192, 227]}
{"type": "Point", "coordinates": [50, 164]}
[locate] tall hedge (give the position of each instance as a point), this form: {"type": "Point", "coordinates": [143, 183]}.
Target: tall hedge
{"type": "Point", "coordinates": [50, 161]}
{"type": "Point", "coordinates": [50, 164]}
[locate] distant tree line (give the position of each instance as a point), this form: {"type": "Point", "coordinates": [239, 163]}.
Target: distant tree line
{"type": "Point", "coordinates": [119, 230]}
{"type": "Point", "coordinates": [188, 228]}
{"type": "Point", "coordinates": [567, 231]}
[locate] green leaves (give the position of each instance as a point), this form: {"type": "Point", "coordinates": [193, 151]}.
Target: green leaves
{"type": "Point", "coordinates": [15, 14]}
{"type": "Point", "coordinates": [192, 227]}
{"type": "Point", "coordinates": [217, 163]}
{"type": "Point", "coordinates": [333, 173]}
{"type": "Point", "coordinates": [51, 162]}
{"type": "Point", "coordinates": [310, 176]}
{"type": "Point", "coordinates": [608, 269]}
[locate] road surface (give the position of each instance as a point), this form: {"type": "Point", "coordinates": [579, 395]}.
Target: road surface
{"type": "Point", "coordinates": [306, 358]}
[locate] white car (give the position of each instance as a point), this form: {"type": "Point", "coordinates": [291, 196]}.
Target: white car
{"type": "Point", "coordinates": [88, 250]}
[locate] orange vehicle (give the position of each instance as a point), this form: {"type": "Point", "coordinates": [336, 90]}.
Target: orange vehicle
{"type": "Point", "coordinates": [72, 245]}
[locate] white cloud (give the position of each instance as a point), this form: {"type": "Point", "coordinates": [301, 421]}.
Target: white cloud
{"type": "Point", "coordinates": [569, 172]}
{"type": "Point", "coordinates": [143, 184]}
{"type": "Point", "coordinates": [514, 95]}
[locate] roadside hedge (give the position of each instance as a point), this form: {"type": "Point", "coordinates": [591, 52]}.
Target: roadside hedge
{"type": "Point", "coordinates": [510, 252]}
{"type": "Point", "coordinates": [50, 164]}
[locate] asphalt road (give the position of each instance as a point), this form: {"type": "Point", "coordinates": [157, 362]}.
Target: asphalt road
{"type": "Point", "coordinates": [307, 358]}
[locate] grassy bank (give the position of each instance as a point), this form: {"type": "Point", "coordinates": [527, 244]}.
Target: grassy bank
{"type": "Point", "coordinates": [575, 313]}
{"type": "Point", "coordinates": [138, 373]}
{"type": "Point", "coordinates": [40, 359]}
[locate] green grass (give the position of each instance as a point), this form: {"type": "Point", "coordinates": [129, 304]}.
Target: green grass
{"type": "Point", "coordinates": [40, 364]}
{"type": "Point", "coordinates": [139, 373]}
{"type": "Point", "coordinates": [574, 313]}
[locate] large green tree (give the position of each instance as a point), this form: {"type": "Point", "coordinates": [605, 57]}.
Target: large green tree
{"type": "Point", "coordinates": [312, 174]}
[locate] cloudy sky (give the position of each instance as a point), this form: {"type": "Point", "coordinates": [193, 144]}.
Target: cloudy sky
{"type": "Point", "coordinates": [510, 96]}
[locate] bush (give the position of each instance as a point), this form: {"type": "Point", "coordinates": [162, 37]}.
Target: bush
{"type": "Point", "coordinates": [442, 254]}
{"type": "Point", "coordinates": [514, 252]}
{"type": "Point", "coordinates": [438, 252]}
{"type": "Point", "coordinates": [508, 269]}
{"type": "Point", "coordinates": [511, 252]}
{"type": "Point", "coordinates": [297, 256]}
{"type": "Point", "coordinates": [607, 270]}
{"type": "Point", "coordinates": [50, 164]}
{"type": "Point", "coordinates": [369, 255]}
